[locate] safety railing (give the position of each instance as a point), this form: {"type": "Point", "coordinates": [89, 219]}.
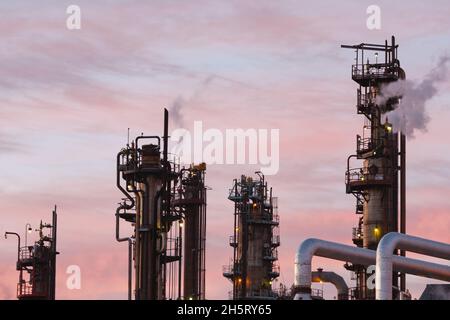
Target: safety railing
{"type": "Point", "coordinates": [275, 241]}
{"type": "Point", "coordinates": [365, 145]}
{"type": "Point", "coordinates": [262, 293]}
{"type": "Point", "coordinates": [317, 293]}
{"type": "Point", "coordinates": [364, 102]}
{"type": "Point", "coordinates": [270, 254]}
{"type": "Point", "coordinates": [233, 241]}
{"type": "Point", "coordinates": [230, 269]}
{"type": "Point", "coordinates": [26, 289]}
{"type": "Point", "coordinates": [361, 293]}
{"type": "Point", "coordinates": [374, 71]}
{"type": "Point", "coordinates": [25, 253]}
{"type": "Point", "coordinates": [357, 233]}
{"type": "Point", "coordinates": [276, 218]}
{"type": "Point", "coordinates": [275, 271]}
{"type": "Point", "coordinates": [366, 175]}
{"type": "Point", "coordinates": [263, 218]}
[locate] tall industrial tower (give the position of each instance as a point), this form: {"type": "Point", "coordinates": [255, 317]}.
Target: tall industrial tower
{"type": "Point", "coordinates": [255, 239]}
{"type": "Point", "coordinates": [160, 201]}
{"type": "Point", "coordinates": [190, 201]}
{"type": "Point", "coordinates": [376, 183]}
{"type": "Point", "coordinates": [38, 262]}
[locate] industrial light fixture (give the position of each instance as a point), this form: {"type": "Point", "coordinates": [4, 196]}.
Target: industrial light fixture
{"type": "Point", "coordinates": [130, 187]}
{"type": "Point", "coordinates": [389, 128]}
{"type": "Point", "coordinates": [181, 224]}
{"type": "Point", "coordinates": [376, 231]}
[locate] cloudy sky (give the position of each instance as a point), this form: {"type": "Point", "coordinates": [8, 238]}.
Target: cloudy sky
{"type": "Point", "coordinates": [67, 98]}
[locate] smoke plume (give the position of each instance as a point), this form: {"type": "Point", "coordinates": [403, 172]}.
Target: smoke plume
{"type": "Point", "coordinates": [177, 107]}
{"type": "Point", "coordinates": [410, 114]}
{"type": "Point", "coordinates": [176, 111]}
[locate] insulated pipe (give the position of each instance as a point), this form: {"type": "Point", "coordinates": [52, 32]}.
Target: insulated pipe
{"type": "Point", "coordinates": [54, 253]}
{"type": "Point", "coordinates": [385, 257]}
{"type": "Point", "coordinates": [316, 247]}
{"type": "Point", "coordinates": [335, 279]}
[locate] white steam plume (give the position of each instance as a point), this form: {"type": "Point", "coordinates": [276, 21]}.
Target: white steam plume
{"type": "Point", "coordinates": [411, 114]}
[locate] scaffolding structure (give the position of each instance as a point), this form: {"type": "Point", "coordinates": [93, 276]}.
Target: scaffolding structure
{"type": "Point", "coordinates": [377, 182]}
{"type": "Point", "coordinates": [255, 240]}
{"type": "Point", "coordinates": [37, 263]}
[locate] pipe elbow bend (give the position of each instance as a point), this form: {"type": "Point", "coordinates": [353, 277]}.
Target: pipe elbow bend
{"type": "Point", "coordinates": [388, 244]}
{"type": "Point", "coordinates": [306, 250]}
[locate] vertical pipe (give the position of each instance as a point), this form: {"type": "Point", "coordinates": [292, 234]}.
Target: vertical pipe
{"type": "Point", "coordinates": [402, 200]}
{"type": "Point", "coordinates": [235, 239]}
{"type": "Point", "coordinates": [198, 245]}
{"type": "Point", "coordinates": [166, 134]}
{"type": "Point", "coordinates": [244, 256]}
{"type": "Point", "coordinates": [137, 247]}
{"type": "Point", "coordinates": [385, 52]}
{"type": "Point", "coordinates": [203, 278]}
{"type": "Point", "coordinates": [166, 194]}
{"type": "Point", "coordinates": [385, 258]}
{"type": "Point", "coordinates": [180, 260]}
{"type": "Point", "coordinates": [362, 62]}
{"type": "Point", "coordinates": [130, 258]}
{"type": "Point", "coordinates": [54, 253]}
{"type": "Point", "coordinates": [394, 55]}
{"type": "Point", "coordinates": [154, 261]}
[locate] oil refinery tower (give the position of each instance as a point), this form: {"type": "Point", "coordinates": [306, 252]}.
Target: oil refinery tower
{"type": "Point", "coordinates": [37, 263]}
{"type": "Point", "coordinates": [166, 207]}
{"type": "Point", "coordinates": [377, 182]}
{"type": "Point", "coordinates": [255, 240]}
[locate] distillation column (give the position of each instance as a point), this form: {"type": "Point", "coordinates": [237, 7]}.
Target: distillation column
{"type": "Point", "coordinates": [149, 177]}
{"type": "Point", "coordinates": [376, 184]}
{"type": "Point", "coordinates": [255, 240]}
{"type": "Point", "coordinates": [191, 199]}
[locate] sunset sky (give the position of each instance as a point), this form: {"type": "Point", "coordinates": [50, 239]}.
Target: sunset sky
{"type": "Point", "coordinates": [67, 98]}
